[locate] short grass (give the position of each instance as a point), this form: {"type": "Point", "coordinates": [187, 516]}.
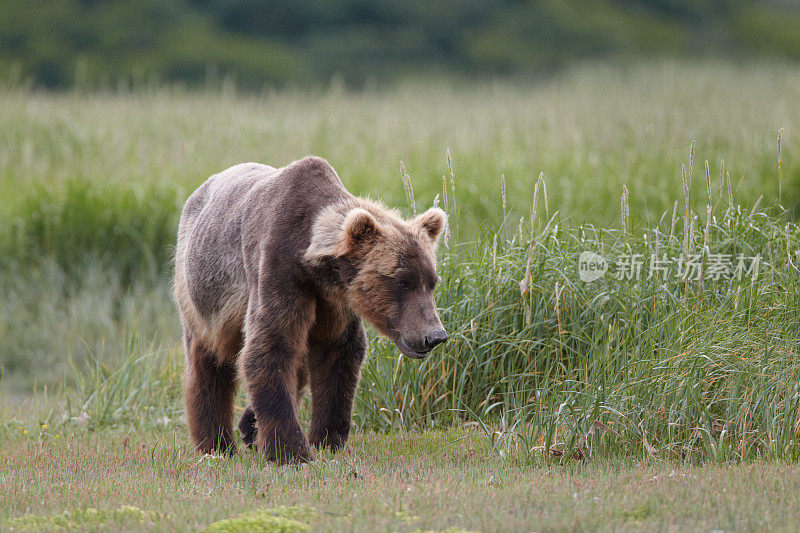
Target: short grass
{"type": "Point", "coordinates": [408, 481]}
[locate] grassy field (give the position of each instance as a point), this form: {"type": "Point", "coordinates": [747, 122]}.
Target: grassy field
{"type": "Point", "coordinates": [420, 481]}
{"type": "Point", "coordinates": [557, 404]}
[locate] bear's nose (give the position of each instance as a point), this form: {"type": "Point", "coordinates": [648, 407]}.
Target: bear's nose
{"type": "Point", "coordinates": [435, 337]}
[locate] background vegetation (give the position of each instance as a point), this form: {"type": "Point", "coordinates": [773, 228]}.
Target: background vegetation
{"type": "Point", "coordinates": [257, 43]}
{"type": "Point", "coordinates": [656, 403]}
{"type": "Point", "coordinates": [92, 186]}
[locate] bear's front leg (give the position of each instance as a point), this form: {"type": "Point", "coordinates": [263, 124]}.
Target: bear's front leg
{"type": "Point", "coordinates": [334, 372]}
{"type": "Point", "coordinates": [270, 369]}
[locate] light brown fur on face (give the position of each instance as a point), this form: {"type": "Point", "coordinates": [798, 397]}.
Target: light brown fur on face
{"type": "Point", "coordinates": [274, 268]}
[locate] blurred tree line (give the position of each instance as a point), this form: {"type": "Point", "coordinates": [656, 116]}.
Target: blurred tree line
{"type": "Point", "coordinates": [65, 43]}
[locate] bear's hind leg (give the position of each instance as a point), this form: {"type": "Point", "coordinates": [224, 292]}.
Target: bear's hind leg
{"type": "Point", "coordinates": [209, 389]}
{"type": "Point", "coordinates": [247, 426]}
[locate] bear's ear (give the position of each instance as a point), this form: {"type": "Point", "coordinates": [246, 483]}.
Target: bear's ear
{"type": "Point", "coordinates": [359, 227]}
{"type": "Point", "coordinates": [335, 233]}
{"type": "Point", "coordinates": [430, 224]}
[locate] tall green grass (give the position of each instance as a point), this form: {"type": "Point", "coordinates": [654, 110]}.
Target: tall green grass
{"type": "Point", "coordinates": [49, 322]}
{"type": "Point", "coordinates": [102, 175]}
{"type": "Point", "coordinates": [590, 129]}
{"type": "Point", "coordinates": [671, 367]}
{"type": "Point", "coordinates": [129, 231]}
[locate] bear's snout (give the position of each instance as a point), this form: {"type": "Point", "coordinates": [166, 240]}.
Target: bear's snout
{"type": "Point", "coordinates": [435, 338]}
{"type": "Point", "coordinates": [418, 347]}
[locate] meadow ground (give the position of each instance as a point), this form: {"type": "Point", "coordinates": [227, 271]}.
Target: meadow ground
{"type": "Point", "coordinates": [645, 399]}
{"type": "Point", "coordinates": [412, 481]}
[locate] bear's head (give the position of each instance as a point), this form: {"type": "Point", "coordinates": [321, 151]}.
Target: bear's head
{"type": "Point", "coordinates": [386, 267]}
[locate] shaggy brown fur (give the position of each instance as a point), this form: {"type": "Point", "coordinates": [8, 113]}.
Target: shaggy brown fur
{"type": "Point", "coordinates": [274, 270]}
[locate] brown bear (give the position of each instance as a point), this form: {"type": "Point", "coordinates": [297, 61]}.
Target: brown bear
{"type": "Point", "coordinates": [274, 269]}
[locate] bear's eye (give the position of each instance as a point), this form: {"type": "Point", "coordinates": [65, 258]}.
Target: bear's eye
{"type": "Point", "coordinates": [429, 280]}
{"type": "Point", "coordinates": [405, 281]}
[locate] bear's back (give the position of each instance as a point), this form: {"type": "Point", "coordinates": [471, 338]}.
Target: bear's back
{"type": "Point", "coordinates": [208, 255]}
{"type": "Point", "coordinates": [236, 214]}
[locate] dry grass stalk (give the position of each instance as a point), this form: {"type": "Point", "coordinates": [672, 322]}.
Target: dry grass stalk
{"type": "Point", "coordinates": [503, 193]}
{"type": "Point", "coordinates": [758, 202]}
{"type": "Point", "coordinates": [523, 285]}
{"type": "Point", "coordinates": [625, 210]}
{"type": "Point", "coordinates": [452, 178]}
{"type": "Point", "coordinates": [705, 246]}
{"type": "Point", "coordinates": [780, 164]}
{"type": "Point", "coordinates": [730, 189]}
{"type": "Point", "coordinates": [408, 188]}
{"type": "Point", "coordinates": [674, 218]}
{"type": "Point", "coordinates": [686, 211]}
